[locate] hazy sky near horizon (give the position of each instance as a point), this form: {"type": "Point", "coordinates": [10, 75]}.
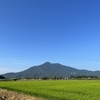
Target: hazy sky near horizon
{"type": "Point", "coordinates": [59, 31]}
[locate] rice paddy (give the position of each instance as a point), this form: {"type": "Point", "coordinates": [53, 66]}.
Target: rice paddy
{"type": "Point", "coordinates": [57, 89]}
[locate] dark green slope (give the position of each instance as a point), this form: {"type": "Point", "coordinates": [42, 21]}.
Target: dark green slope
{"type": "Point", "coordinates": [50, 70]}
{"type": "Point", "coordinates": [2, 77]}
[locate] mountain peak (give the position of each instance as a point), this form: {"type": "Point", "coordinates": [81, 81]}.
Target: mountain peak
{"type": "Point", "coordinates": [47, 63]}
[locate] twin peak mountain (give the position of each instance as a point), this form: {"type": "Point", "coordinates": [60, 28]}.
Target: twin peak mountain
{"type": "Point", "coordinates": [51, 70]}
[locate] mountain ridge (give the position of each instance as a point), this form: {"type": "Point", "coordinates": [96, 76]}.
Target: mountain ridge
{"type": "Point", "coordinates": [50, 70]}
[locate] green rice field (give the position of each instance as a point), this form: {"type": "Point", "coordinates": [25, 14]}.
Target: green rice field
{"type": "Point", "coordinates": [57, 89]}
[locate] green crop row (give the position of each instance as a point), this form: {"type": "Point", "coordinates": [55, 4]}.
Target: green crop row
{"type": "Point", "coordinates": [57, 90]}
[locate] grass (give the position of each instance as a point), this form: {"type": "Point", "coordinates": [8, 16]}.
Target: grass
{"type": "Point", "coordinates": [57, 90]}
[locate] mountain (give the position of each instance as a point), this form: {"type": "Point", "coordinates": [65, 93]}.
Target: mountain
{"type": "Point", "coordinates": [50, 70]}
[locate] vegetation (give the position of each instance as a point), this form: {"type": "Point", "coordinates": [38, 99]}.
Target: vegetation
{"type": "Point", "coordinates": [84, 77]}
{"type": "Point", "coordinates": [2, 77]}
{"type": "Point", "coordinates": [57, 89]}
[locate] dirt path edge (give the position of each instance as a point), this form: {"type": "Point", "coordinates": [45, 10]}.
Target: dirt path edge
{"type": "Point", "coordinates": [10, 95]}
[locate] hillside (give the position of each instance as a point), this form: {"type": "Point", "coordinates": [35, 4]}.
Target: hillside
{"type": "Point", "coordinates": [50, 70]}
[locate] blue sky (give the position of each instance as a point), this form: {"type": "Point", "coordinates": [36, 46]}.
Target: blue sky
{"type": "Point", "coordinates": [59, 31]}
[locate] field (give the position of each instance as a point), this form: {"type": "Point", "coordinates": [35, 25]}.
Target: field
{"type": "Point", "coordinates": [57, 89]}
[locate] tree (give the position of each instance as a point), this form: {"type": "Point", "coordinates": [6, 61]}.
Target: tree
{"type": "Point", "coordinates": [2, 77]}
